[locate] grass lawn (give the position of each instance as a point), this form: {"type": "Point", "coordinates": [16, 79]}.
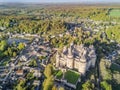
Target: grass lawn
{"type": "Point", "coordinates": [59, 75]}
{"type": "Point", "coordinates": [71, 76]}
{"type": "Point", "coordinates": [115, 13]}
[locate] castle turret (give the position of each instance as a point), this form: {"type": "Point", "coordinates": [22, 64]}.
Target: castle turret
{"type": "Point", "coordinates": [82, 68]}
{"type": "Point", "coordinates": [92, 55]}
{"type": "Point", "coordinates": [70, 60]}
{"type": "Point", "coordinates": [70, 55]}
{"type": "Point", "coordinates": [64, 50]}
{"type": "Point", "coordinates": [83, 55]}
{"type": "Point", "coordinates": [83, 61]}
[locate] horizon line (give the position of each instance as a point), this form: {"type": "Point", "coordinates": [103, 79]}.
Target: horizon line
{"type": "Point", "coordinates": [83, 2]}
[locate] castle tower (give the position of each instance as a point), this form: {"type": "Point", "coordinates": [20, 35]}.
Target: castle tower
{"type": "Point", "coordinates": [83, 61]}
{"type": "Point", "coordinates": [70, 55]}
{"type": "Point", "coordinates": [93, 59]}
{"type": "Point", "coordinates": [64, 50]}
{"type": "Point", "coordinates": [82, 67]}
{"type": "Point", "coordinates": [83, 55]}
{"type": "Point", "coordinates": [92, 55]}
{"type": "Point", "coordinates": [70, 60]}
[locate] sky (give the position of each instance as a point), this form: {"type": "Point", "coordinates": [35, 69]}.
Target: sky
{"type": "Point", "coordinates": [55, 1]}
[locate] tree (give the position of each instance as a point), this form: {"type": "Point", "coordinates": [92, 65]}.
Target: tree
{"type": "Point", "coordinates": [61, 88]}
{"type": "Point", "coordinates": [48, 70]}
{"type": "Point", "coordinates": [54, 88]}
{"type": "Point", "coordinates": [33, 63]}
{"type": "Point", "coordinates": [87, 86]}
{"type": "Point", "coordinates": [3, 45]}
{"type": "Point", "coordinates": [20, 85]}
{"type": "Point", "coordinates": [106, 86]}
{"type": "Point", "coordinates": [48, 83]}
{"type": "Point", "coordinates": [105, 72]}
{"type": "Point", "coordinates": [14, 54]}
{"type": "Point", "coordinates": [10, 51]}
{"type": "Point", "coordinates": [21, 46]}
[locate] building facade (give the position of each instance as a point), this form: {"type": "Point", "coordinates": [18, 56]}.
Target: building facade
{"type": "Point", "coordinates": [76, 57]}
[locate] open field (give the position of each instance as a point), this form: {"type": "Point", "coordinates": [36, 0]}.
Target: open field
{"type": "Point", "coordinates": [115, 13]}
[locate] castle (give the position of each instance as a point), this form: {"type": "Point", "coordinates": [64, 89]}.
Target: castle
{"type": "Point", "coordinates": [76, 57]}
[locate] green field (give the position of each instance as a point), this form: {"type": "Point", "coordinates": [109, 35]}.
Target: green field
{"type": "Point", "coordinates": [115, 13]}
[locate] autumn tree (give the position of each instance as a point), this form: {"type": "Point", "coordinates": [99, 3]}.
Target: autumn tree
{"type": "Point", "coordinates": [48, 70]}
{"type": "Point", "coordinates": [48, 83]}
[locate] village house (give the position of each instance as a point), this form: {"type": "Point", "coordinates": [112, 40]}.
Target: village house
{"type": "Point", "coordinates": [23, 58]}
{"type": "Point", "coordinates": [19, 72]}
{"type": "Point", "coordinates": [36, 72]}
{"type": "Point", "coordinates": [36, 82]}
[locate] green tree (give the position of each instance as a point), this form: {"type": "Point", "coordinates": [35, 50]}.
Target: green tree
{"type": "Point", "coordinates": [10, 51]}
{"type": "Point", "coordinates": [3, 45]}
{"type": "Point", "coordinates": [14, 54]}
{"type": "Point", "coordinates": [106, 86]}
{"type": "Point", "coordinates": [20, 86]}
{"type": "Point", "coordinates": [87, 86]}
{"type": "Point", "coordinates": [105, 72]}
{"type": "Point", "coordinates": [21, 46]}
{"type": "Point", "coordinates": [33, 63]}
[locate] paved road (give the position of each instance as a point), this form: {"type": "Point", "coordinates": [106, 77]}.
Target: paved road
{"type": "Point", "coordinates": [1, 61]}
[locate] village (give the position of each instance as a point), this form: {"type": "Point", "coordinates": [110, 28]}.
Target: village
{"type": "Point", "coordinates": [32, 60]}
